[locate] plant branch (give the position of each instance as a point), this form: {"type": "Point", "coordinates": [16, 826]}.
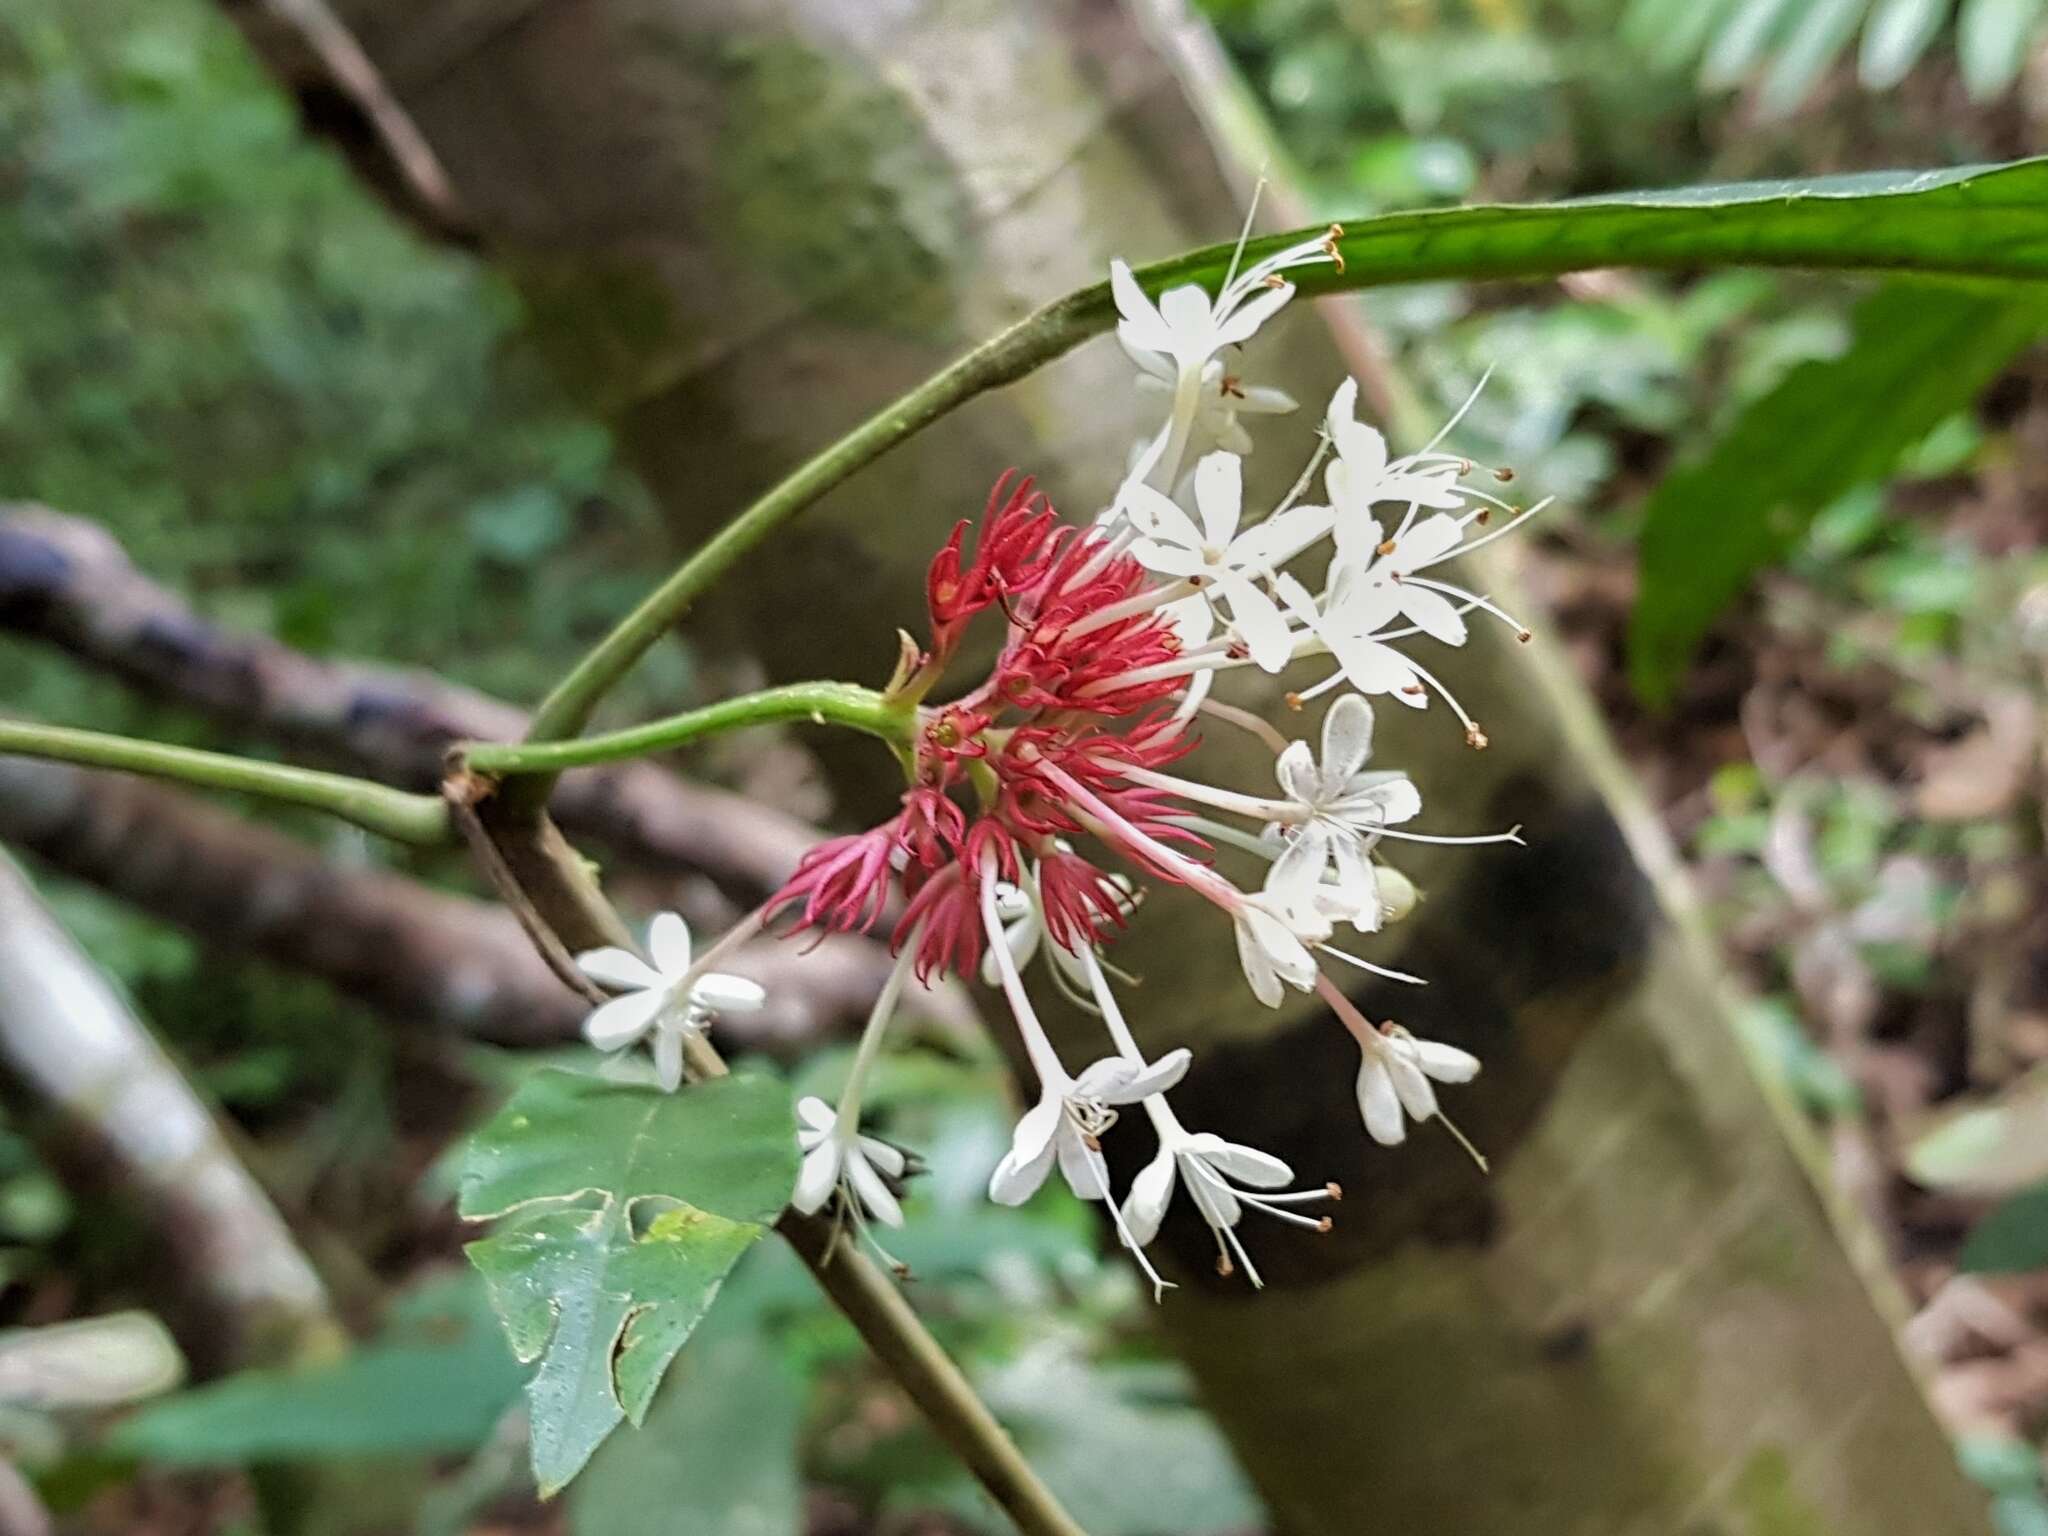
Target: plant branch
{"type": "Point", "coordinates": [562, 896]}
{"type": "Point", "coordinates": [847, 704]}
{"type": "Point", "coordinates": [1845, 223]}
{"type": "Point", "coordinates": [392, 813]}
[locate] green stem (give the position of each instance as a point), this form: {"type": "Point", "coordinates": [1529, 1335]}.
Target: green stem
{"type": "Point", "coordinates": [847, 704]}
{"type": "Point", "coordinates": [1762, 225]}
{"type": "Point", "coordinates": [392, 813]}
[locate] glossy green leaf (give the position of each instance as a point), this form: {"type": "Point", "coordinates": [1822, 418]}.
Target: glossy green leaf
{"type": "Point", "coordinates": [717, 1452]}
{"type": "Point", "coordinates": [624, 1208]}
{"type": "Point", "coordinates": [437, 1381]}
{"type": "Point", "coordinates": [1981, 221]}
{"type": "Point", "coordinates": [1991, 43]}
{"type": "Point", "coordinates": [1919, 354]}
{"type": "Point", "coordinates": [2014, 1237]}
{"type": "Point", "coordinates": [1895, 37]}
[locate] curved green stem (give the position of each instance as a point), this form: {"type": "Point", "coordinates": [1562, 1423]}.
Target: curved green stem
{"type": "Point", "coordinates": [847, 704]}
{"type": "Point", "coordinates": [1978, 221]}
{"type": "Point", "coordinates": [392, 813]}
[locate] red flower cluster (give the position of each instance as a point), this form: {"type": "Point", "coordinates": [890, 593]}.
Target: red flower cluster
{"type": "Point", "coordinates": [1042, 722]}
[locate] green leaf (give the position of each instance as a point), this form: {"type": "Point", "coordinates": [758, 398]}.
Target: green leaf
{"type": "Point", "coordinates": [1919, 354]}
{"type": "Point", "coordinates": [1985, 221]}
{"type": "Point", "coordinates": [1744, 40]}
{"type": "Point", "coordinates": [626, 1208]}
{"type": "Point", "coordinates": [1897, 35]}
{"type": "Point", "coordinates": [437, 1381]}
{"type": "Point", "coordinates": [1996, 1146]}
{"type": "Point", "coordinates": [717, 1453]}
{"type": "Point", "coordinates": [2014, 1237]}
{"type": "Point", "coordinates": [1816, 42]}
{"type": "Point", "coordinates": [1991, 43]}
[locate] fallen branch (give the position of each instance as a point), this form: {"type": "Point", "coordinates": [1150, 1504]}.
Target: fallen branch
{"type": "Point", "coordinates": [66, 1034]}
{"type": "Point", "coordinates": [69, 582]}
{"type": "Point", "coordinates": [412, 953]}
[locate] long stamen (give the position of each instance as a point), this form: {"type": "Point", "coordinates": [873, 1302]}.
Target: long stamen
{"type": "Point", "coordinates": [1245, 720]}
{"type": "Point", "coordinates": [869, 1048]}
{"type": "Point", "coordinates": [1367, 965]}
{"type": "Point", "coordinates": [1132, 607]}
{"type": "Point", "coordinates": [1473, 600]}
{"type": "Point", "coordinates": [1208, 794]}
{"type": "Point", "coordinates": [1117, 829]}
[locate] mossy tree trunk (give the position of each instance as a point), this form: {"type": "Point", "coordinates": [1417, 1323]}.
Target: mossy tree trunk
{"type": "Point", "coordinates": [740, 227]}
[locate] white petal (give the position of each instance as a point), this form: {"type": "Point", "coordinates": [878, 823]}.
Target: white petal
{"type": "Point", "coordinates": [1372, 667]}
{"type": "Point", "coordinates": [874, 1194]}
{"type": "Point", "coordinates": [1269, 545]}
{"type": "Point", "coordinates": [1445, 1063]}
{"type": "Point", "coordinates": [1141, 323]}
{"type": "Point", "coordinates": [1156, 1078]}
{"type": "Point", "coordinates": [1378, 1103]}
{"type": "Point", "coordinates": [1160, 517]}
{"type": "Point", "coordinates": [1257, 618]}
{"type": "Point", "coordinates": [1379, 800]}
{"type": "Point", "coordinates": [1296, 771]}
{"type": "Point", "coordinates": [1187, 315]}
{"type": "Point", "coordinates": [1250, 315]}
{"type": "Point", "coordinates": [815, 1113]}
{"type": "Point", "coordinates": [1428, 542]}
{"type": "Point", "coordinates": [1343, 407]}
{"type": "Point", "coordinates": [885, 1158]}
{"type": "Point", "coordinates": [819, 1173]}
{"type": "Point", "coordinates": [719, 992]}
{"type": "Point", "coordinates": [1219, 496]}
{"type": "Point", "coordinates": [1347, 738]}
{"type": "Point", "coordinates": [1363, 453]}
{"type": "Point", "coordinates": [1247, 1165]}
{"type": "Point", "coordinates": [1105, 1079]}
{"type": "Point", "coordinates": [1087, 1175]}
{"type": "Point", "coordinates": [1151, 1193]}
{"type": "Point", "coordinates": [1216, 1200]}
{"type": "Point", "coordinates": [1417, 1097]}
{"type": "Point", "coordinates": [1258, 968]}
{"type": "Point", "coordinates": [618, 969]}
{"type": "Point", "coordinates": [668, 940]}
{"type": "Point", "coordinates": [1433, 613]}
{"type": "Point", "coordinates": [668, 1057]}
{"type": "Point", "coordinates": [1265, 400]}
{"type": "Point", "coordinates": [623, 1020]}
{"type": "Point", "coordinates": [1296, 873]}
{"type": "Point", "coordinates": [1029, 1159]}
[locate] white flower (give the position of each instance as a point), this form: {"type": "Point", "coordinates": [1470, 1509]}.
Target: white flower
{"type": "Point", "coordinates": [1186, 329]}
{"type": "Point", "coordinates": [663, 998]}
{"type": "Point", "coordinates": [1337, 809]}
{"type": "Point", "coordinates": [1222, 398]}
{"type": "Point", "coordinates": [1213, 1169]}
{"type": "Point", "coordinates": [1369, 664]}
{"type": "Point", "coordinates": [1226, 562]}
{"type": "Point", "coordinates": [1067, 1122]}
{"type": "Point", "coordinates": [839, 1157]}
{"type": "Point", "coordinates": [1395, 1076]}
{"type": "Point", "coordinates": [1273, 935]}
{"type": "Point", "coordinates": [1361, 476]}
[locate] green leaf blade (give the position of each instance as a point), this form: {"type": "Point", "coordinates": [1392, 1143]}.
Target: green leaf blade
{"type": "Point", "coordinates": [1920, 353]}
{"type": "Point", "coordinates": [624, 1210]}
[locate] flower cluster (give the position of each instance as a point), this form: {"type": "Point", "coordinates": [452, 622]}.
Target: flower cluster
{"type": "Point", "coordinates": [1040, 798]}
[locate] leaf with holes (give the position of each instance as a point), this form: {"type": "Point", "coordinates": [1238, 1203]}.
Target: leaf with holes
{"type": "Point", "coordinates": [623, 1209]}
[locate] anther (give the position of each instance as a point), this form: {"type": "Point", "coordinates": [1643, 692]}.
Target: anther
{"type": "Point", "coordinates": [1324, 1225]}
{"type": "Point", "coordinates": [1334, 1190]}
{"type": "Point", "coordinates": [1292, 701]}
{"type": "Point", "coordinates": [1475, 738]}
{"type": "Point", "coordinates": [1415, 691]}
{"type": "Point", "coordinates": [1504, 474]}
{"type": "Point", "coordinates": [1386, 548]}
{"type": "Point", "coordinates": [1482, 516]}
{"type": "Point", "coordinates": [1524, 636]}
{"type": "Point", "coordinates": [1223, 1266]}
{"type": "Point", "coordinates": [1232, 386]}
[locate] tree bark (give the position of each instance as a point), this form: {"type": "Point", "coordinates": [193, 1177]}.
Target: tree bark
{"type": "Point", "coordinates": [742, 227]}
{"type": "Point", "coordinates": [68, 1037]}
{"type": "Point", "coordinates": [67, 581]}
